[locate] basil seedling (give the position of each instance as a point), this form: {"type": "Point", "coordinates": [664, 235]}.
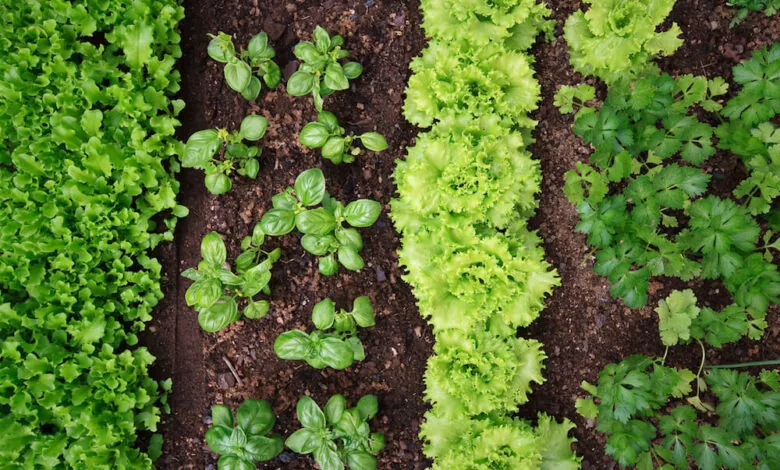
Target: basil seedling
{"type": "Point", "coordinates": [325, 234]}
{"type": "Point", "coordinates": [216, 289]}
{"type": "Point", "coordinates": [334, 343]}
{"type": "Point", "coordinates": [338, 436]}
{"type": "Point", "coordinates": [326, 134]}
{"type": "Point", "coordinates": [242, 71]}
{"type": "Point", "coordinates": [320, 72]}
{"type": "Point", "coordinates": [203, 148]}
{"type": "Point", "coordinates": [245, 440]}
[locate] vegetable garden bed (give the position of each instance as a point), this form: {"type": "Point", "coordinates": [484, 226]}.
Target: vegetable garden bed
{"type": "Point", "coordinates": [583, 327]}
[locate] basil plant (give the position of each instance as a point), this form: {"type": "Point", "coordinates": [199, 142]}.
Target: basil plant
{"type": "Point", "coordinates": [338, 436]}
{"type": "Point", "coordinates": [320, 72]}
{"type": "Point", "coordinates": [326, 134]}
{"type": "Point", "coordinates": [244, 71]}
{"type": "Point", "coordinates": [328, 231]}
{"type": "Point", "coordinates": [244, 440]}
{"type": "Point", "coordinates": [216, 290]}
{"type": "Point", "coordinates": [204, 148]}
{"type": "Point", "coordinates": [334, 343]}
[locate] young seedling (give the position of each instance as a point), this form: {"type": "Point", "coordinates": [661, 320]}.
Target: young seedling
{"type": "Point", "coordinates": [245, 440]}
{"type": "Point", "coordinates": [204, 147]}
{"type": "Point", "coordinates": [216, 290]}
{"type": "Point", "coordinates": [239, 69]}
{"type": "Point", "coordinates": [320, 72]}
{"type": "Point", "coordinates": [326, 134]}
{"type": "Point", "coordinates": [338, 436]}
{"type": "Point", "coordinates": [323, 227]}
{"type": "Point", "coordinates": [334, 343]}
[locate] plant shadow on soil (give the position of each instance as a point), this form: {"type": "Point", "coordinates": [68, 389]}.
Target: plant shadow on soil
{"type": "Point", "coordinates": [582, 329]}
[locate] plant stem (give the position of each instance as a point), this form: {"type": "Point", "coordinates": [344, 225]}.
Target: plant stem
{"type": "Point", "coordinates": [773, 362]}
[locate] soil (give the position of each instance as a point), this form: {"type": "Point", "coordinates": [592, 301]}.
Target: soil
{"type": "Point", "coordinates": [583, 328]}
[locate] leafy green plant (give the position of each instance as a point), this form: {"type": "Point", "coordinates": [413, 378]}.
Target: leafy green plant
{"type": "Point", "coordinates": [244, 440]}
{"type": "Point", "coordinates": [338, 436]}
{"type": "Point", "coordinates": [326, 134]}
{"type": "Point", "coordinates": [324, 233]}
{"type": "Point", "coordinates": [203, 148]}
{"type": "Point", "coordinates": [321, 73]}
{"type": "Point", "coordinates": [243, 71]}
{"type": "Point", "coordinates": [334, 343]}
{"type": "Point", "coordinates": [769, 7]}
{"type": "Point", "coordinates": [617, 39]}
{"type": "Point", "coordinates": [217, 289]}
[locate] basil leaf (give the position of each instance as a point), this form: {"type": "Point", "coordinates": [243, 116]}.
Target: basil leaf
{"type": "Point", "coordinates": [334, 147]}
{"type": "Point", "coordinates": [363, 312]}
{"type": "Point", "coordinates": [255, 417]}
{"type": "Point", "coordinates": [315, 221]}
{"type": "Point", "coordinates": [308, 53]}
{"type": "Point", "coordinates": [237, 75]}
{"type": "Point", "coordinates": [218, 183]}
{"type": "Point", "coordinates": [255, 280]}
{"type": "Point", "coordinates": [221, 48]}
{"type": "Point", "coordinates": [328, 265]}
{"type": "Point", "coordinates": [219, 315]}
{"type": "Point", "coordinates": [200, 149]}
{"type": "Point", "coordinates": [368, 407]}
{"type": "Point", "coordinates": [376, 442]}
{"type": "Point", "coordinates": [335, 408]}
{"type": "Point", "coordinates": [192, 274]}
{"type": "Point", "coordinates": [273, 74]}
{"type": "Point", "coordinates": [350, 259]}
{"type": "Point", "coordinates": [335, 78]}
{"type": "Point", "coordinates": [336, 353]}
{"type": "Point", "coordinates": [352, 70]}
{"type": "Point", "coordinates": [258, 309]}
{"type": "Point", "coordinates": [329, 120]}
{"type": "Point", "coordinates": [222, 416]}
{"type": "Point", "coordinates": [300, 83]}
{"type": "Point", "coordinates": [283, 201]}
{"type": "Point", "coordinates": [293, 345]}
{"type": "Point", "coordinates": [350, 237]}
{"type": "Point", "coordinates": [349, 423]}
{"type": "Point", "coordinates": [362, 213]}
{"type": "Point", "coordinates": [204, 293]}
{"type": "Point", "coordinates": [321, 38]}
{"type": "Point", "coordinates": [344, 323]}
{"type": "Point", "coordinates": [309, 414]}
{"type": "Point", "coordinates": [232, 462]}
{"type": "Point", "coordinates": [251, 168]}
{"type": "Point", "coordinates": [361, 461]}
{"type": "Point", "coordinates": [328, 459]}
{"type": "Point", "coordinates": [218, 438]}
{"type": "Point", "coordinates": [358, 352]}
{"type": "Point", "coordinates": [253, 127]}
{"type": "Point", "coordinates": [264, 448]}
{"type": "Point", "coordinates": [278, 222]}
{"type": "Point", "coordinates": [302, 441]}
{"type": "Point", "coordinates": [310, 187]}
{"type": "Point", "coordinates": [252, 90]}
{"type": "Point", "coordinates": [318, 245]}
{"type": "Point", "coordinates": [258, 47]}
{"type": "Point", "coordinates": [373, 141]}
{"type": "Point", "coordinates": [314, 135]}
{"type": "Point", "coordinates": [213, 250]}
{"type": "Point", "coordinates": [323, 314]}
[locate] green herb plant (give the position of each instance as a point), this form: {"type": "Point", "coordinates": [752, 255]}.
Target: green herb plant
{"type": "Point", "coordinates": [321, 72]}
{"type": "Point", "coordinates": [769, 7]}
{"type": "Point", "coordinates": [244, 440]}
{"type": "Point", "coordinates": [338, 436]}
{"type": "Point", "coordinates": [326, 134]}
{"type": "Point", "coordinates": [243, 71]}
{"type": "Point", "coordinates": [217, 290]}
{"type": "Point", "coordinates": [203, 149]}
{"type": "Point", "coordinates": [334, 343]}
{"type": "Point", "coordinates": [323, 228]}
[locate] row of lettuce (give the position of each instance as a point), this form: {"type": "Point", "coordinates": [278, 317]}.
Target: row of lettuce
{"type": "Point", "coordinates": [465, 192]}
{"type": "Point", "coordinates": [654, 202]}
{"type": "Point", "coordinates": [87, 188]}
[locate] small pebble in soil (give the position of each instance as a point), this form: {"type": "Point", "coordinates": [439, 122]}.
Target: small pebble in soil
{"type": "Point", "coordinates": [380, 274]}
{"type": "Point", "coordinates": [226, 380]}
{"type": "Point", "coordinates": [286, 457]}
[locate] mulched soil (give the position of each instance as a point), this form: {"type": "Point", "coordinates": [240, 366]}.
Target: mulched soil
{"type": "Point", "coordinates": [582, 329]}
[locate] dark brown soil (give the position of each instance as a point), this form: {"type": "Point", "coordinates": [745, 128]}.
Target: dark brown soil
{"type": "Point", "coordinates": [583, 328]}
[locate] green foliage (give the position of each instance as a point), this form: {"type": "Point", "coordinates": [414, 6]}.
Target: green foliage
{"type": "Point", "coordinates": [243, 71]}
{"type": "Point", "coordinates": [465, 193]}
{"type": "Point", "coordinates": [617, 39]}
{"type": "Point", "coordinates": [244, 440]}
{"type": "Point", "coordinates": [631, 402]}
{"type": "Point", "coordinates": [334, 343]}
{"type": "Point", "coordinates": [217, 290]}
{"type": "Point", "coordinates": [323, 228]}
{"type": "Point", "coordinates": [640, 197]}
{"type": "Point", "coordinates": [87, 188]}
{"type": "Point", "coordinates": [326, 134]}
{"type": "Point", "coordinates": [203, 148]}
{"type": "Point", "coordinates": [769, 7]}
{"type": "Point", "coordinates": [321, 73]}
{"type": "Point", "coordinates": [338, 436]}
